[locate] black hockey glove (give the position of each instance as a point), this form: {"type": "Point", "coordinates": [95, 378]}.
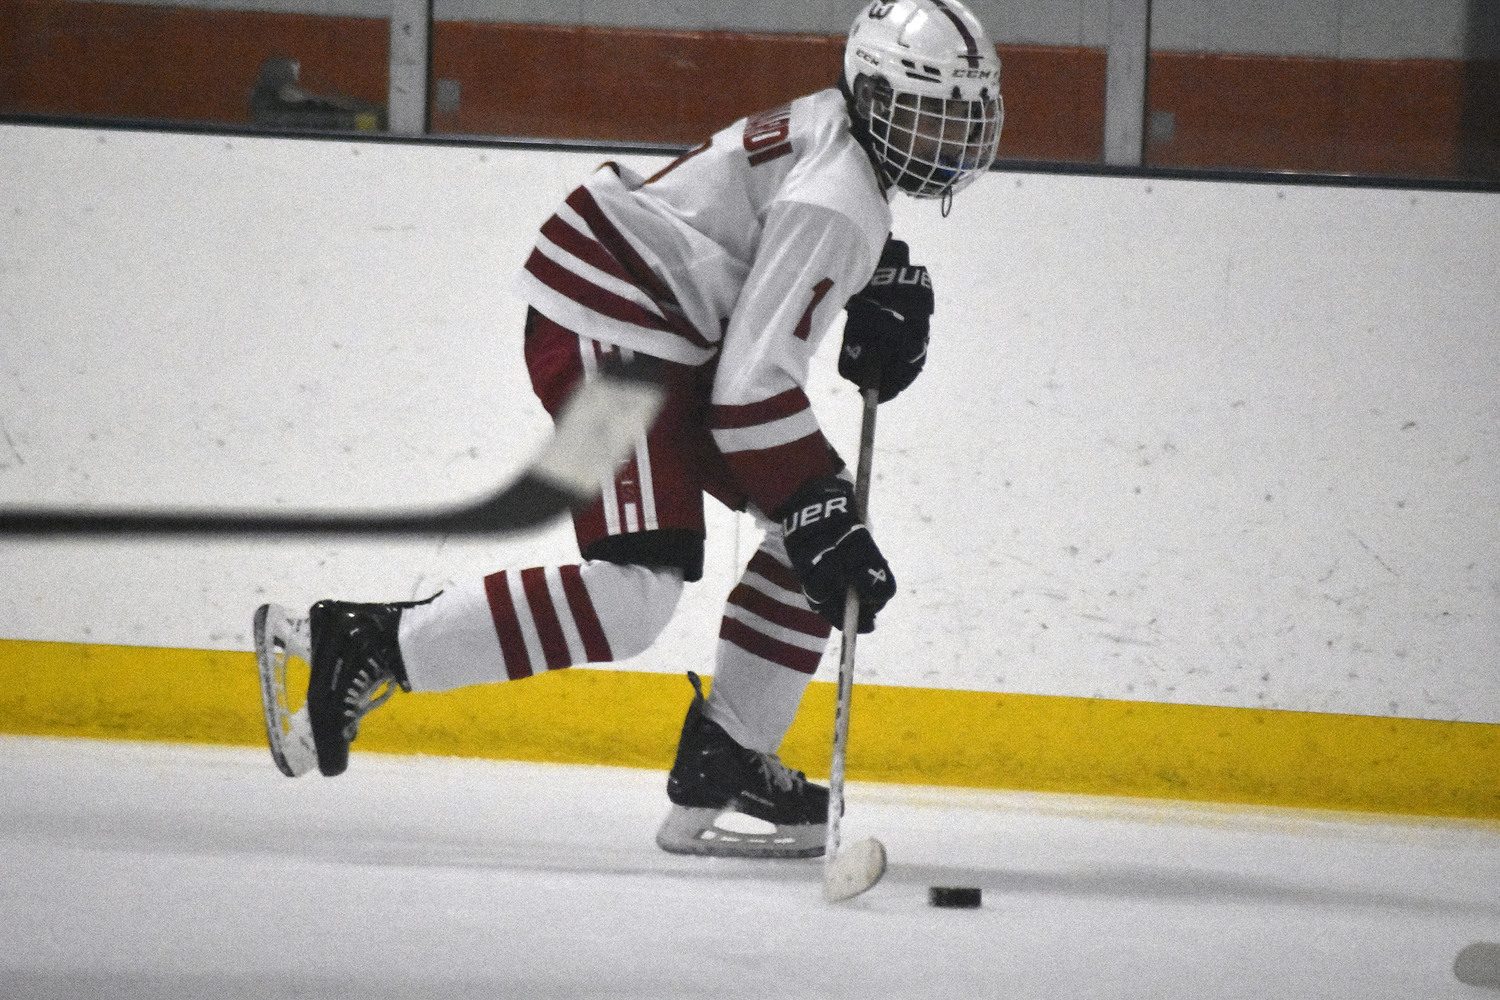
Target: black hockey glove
{"type": "Point", "coordinates": [885, 336]}
{"type": "Point", "coordinates": [831, 550]}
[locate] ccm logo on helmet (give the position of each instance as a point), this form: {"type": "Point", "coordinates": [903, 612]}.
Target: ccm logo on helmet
{"type": "Point", "coordinates": [973, 74]}
{"type": "Point", "coordinates": [878, 10]}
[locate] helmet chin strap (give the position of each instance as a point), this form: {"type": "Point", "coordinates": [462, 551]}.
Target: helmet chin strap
{"type": "Point", "coordinates": [947, 203]}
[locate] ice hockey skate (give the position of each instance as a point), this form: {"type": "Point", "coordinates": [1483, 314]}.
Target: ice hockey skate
{"type": "Point", "coordinates": [730, 801]}
{"type": "Point", "coordinates": [354, 666]}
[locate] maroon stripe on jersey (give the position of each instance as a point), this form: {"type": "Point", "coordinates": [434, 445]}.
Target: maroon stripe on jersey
{"type": "Point", "coordinates": [589, 251]}
{"type": "Point", "coordinates": [507, 626]}
{"type": "Point", "coordinates": [801, 660]}
{"type": "Point", "coordinates": [783, 404]}
{"type": "Point", "coordinates": [586, 293]}
{"type": "Point", "coordinates": [544, 615]}
{"type": "Point", "coordinates": [788, 617]}
{"type": "Point", "coordinates": [664, 171]}
{"type": "Point", "coordinates": [772, 475]}
{"type": "Point", "coordinates": [762, 564]}
{"type": "Point", "coordinates": [804, 325]}
{"type": "Point", "coordinates": [582, 201]}
{"type": "Point", "coordinates": [767, 155]}
{"type": "Point", "coordinates": [605, 231]}
{"type": "Point", "coordinates": [595, 643]}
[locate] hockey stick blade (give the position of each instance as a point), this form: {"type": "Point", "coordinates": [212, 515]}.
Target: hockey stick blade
{"type": "Point", "coordinates": [595, 432]}
{"type": "Point", "coordinates": [854, 870]}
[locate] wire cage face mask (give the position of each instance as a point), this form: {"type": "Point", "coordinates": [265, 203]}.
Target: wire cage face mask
{"type": "Point", "coordinates": [933, 147]}
{"type": "Point", "coordinates": [924, 79]}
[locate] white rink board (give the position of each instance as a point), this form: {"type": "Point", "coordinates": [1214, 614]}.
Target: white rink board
{"type": "Point", "coordinates": [1177, 441]}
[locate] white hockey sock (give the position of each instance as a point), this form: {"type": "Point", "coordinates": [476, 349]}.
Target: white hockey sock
{"type": "Point", "coordinates": [770, 643]}
{"type": "Point", "coordinates": [517, 623]}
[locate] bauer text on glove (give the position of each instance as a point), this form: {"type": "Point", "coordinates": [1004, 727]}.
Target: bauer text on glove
{"type": "Point", "coordinates": [831, 550]}
{"type": "Point", "coordinates": [885, 335]}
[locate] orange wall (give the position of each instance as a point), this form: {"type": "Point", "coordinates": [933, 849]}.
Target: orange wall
{"type": "Point", "coordinates": [678, 86]}
{"type": "Point", "coordinates": [174, 62]}
{"type": "Point", "coordinates": [1294, 113]}
{"type": "Point", "coordinates": [1379, 116]}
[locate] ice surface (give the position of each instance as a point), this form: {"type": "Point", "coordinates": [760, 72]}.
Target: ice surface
{"type": "Point", "coordinates": [168, 871]}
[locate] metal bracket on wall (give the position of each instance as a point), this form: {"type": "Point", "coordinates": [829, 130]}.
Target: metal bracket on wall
{"type": "Point", "coordinates": [1125, 82]}
{"type": "Point", "coordinates": [411, 66]}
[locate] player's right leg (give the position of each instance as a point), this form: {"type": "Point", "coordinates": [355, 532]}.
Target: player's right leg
{"type": "Point", "coordinates": [770, 643]}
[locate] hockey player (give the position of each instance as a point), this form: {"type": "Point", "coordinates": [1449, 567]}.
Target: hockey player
{"type": "Point", "coordinates": [727, 267]}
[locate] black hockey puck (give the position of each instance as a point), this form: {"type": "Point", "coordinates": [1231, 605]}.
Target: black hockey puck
{"type": "Point", "coordinates": [1479, 965]}
{"type": "Point", "coordinates": [953, 897]}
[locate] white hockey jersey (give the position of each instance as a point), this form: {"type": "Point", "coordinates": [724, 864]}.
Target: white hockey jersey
{"type": "Point", "coordinates": [742, 252]}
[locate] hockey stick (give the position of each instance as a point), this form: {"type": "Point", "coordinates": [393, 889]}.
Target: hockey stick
{"type": "Point", "coordinates": [848, 874]}
{"type": "Point", "coordinates": [595, 431]}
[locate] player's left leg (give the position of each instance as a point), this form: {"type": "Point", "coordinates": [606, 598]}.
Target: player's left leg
{"type": "Point", "coordinates": [516, 624]}
{"type": "Point", "coordinates": [507, 626]}
{"type": "Point", "coordinates": [640, 540]}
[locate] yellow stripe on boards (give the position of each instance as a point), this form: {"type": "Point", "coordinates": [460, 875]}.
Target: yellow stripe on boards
{"type": "Point", "coordinates": [129, 692]}
{"type": "Point", "coordinates": [897, 734]}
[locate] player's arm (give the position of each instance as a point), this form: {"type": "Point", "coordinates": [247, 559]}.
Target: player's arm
{"type": "Point", "coordinates": [811, 260]}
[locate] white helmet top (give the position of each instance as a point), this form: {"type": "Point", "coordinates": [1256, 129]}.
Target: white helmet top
{"type": "Point", "coordinates": [925, 79]}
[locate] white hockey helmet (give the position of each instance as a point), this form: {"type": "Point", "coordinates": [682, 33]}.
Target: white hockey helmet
{"type": "Point", "coordinates": [925, 80]}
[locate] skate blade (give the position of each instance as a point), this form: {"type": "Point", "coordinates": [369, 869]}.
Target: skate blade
{"type": "Point", "coordinates": [280, 641]}
{"type": "Point", "coordinates": [853, 870]}
{"type": "Point", "coordinates": [725, 833]}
